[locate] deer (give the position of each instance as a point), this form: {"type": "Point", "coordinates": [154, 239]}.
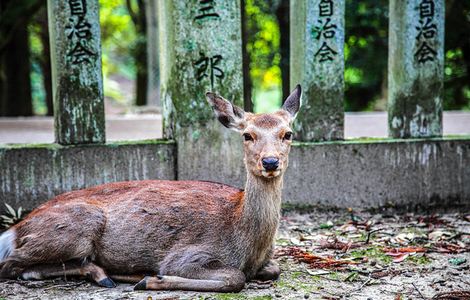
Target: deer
{"type": "Point", "coordinates": [166, 235]}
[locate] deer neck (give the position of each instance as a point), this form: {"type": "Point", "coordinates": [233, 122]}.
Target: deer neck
{"type": "Point", "coordinates": [262, 205]}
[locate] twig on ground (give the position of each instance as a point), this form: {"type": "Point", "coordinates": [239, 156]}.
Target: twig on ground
{"type": "Point", "coordinates": [370, 233]}
{"type": "Point", "coordinates": [419, 292]}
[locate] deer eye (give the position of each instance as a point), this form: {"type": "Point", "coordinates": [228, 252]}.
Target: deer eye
{"type": "Point", "coordinates": [247, 137]}
{"type": "Point", "coordinates": [287, 136]}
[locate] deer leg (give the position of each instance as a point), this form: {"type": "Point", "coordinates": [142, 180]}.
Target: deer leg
{"type": "Point", "coordinates": [227, 279]}
{"type": "Point", "coordinates": [128, 278]}
{"type": "Point", "coordinates": [270, 271]}
{"type": "Point", "coordinates": [88, 269]}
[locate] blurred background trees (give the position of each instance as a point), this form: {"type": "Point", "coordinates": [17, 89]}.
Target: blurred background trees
{"type": "Point", "coordinates": [25, 77]}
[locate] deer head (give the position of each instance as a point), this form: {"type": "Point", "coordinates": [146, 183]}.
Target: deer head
{"type": "Point", "coordinates": [266, 137]}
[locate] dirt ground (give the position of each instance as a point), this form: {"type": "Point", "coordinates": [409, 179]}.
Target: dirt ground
{"type": "Point", "coordinates": [325, 255]}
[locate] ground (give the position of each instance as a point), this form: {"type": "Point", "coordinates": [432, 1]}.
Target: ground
{"type": "Point", "coordinates": [329, 255]}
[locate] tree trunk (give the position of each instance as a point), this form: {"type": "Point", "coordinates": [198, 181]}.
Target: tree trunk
{"type": "Point", "coordinates": [282, 14]}
{"type": "Point", "coordinates": [247, 85]}
{"type": "Point", "coordinates": [46, 59]}
{"type": "Point", "coordinates": [140, 51]}
{"type": "Point", "coordinates": [153, 93]}
{"type": "Point", "coordinates": [15, 92]}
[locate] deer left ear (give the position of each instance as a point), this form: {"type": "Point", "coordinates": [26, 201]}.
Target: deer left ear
{"type": "Point", "coordinates": [292, 103]}
{"type": "Point", "coordinates": [231, 116]}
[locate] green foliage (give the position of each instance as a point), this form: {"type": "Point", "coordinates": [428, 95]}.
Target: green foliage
{"type": "Point", "coordinates": [37, 84]}
{"type": "Point", "coordinates": [457, 56]}
{"type": "Point", "coordinates": [263, 44]}
{"type": "Point", "coordinates": [372, 252]}
{"type": "Point", "coordinates": [365, 50]}
{"type": "Point", "coordinates": [12, 216]}
{"type": "Point", "coordinates": [263, 50]}
{"type": "Point", "coordinates": [118, 37]}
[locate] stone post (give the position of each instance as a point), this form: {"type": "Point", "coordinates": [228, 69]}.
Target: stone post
{"type": "Point", "coordinates": [77, 81]}
{"type": "Point", "coordinates": [317, 63]}
{"type": "Point", "coordinates": [200, 51]}
{"type": "Point", "coordinates": [415, 68]}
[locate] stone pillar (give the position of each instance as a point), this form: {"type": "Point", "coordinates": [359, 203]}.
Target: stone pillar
{"type": "Point", "coordinates": [317, 63]}
{"type": "Point", "coordinates": [200, 51]}
{"type": "Point", "coordinates": [415, 68]}
{"type": "Point", "coordinates": [77, 81]}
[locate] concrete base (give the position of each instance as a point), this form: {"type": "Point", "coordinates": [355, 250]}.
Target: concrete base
{"type": "Point", "coordinates": [30, 175]}
{"type": "Point", "coordinates": [376, 173]}
{"type": "Point", "coordinates": [358, 173]}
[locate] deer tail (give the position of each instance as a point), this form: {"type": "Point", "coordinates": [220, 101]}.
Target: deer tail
{"type": "Point", "coordinates": [7, 243]}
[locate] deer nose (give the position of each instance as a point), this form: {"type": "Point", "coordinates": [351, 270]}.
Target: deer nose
{"type": "Point", "coordinates": [270, 163]}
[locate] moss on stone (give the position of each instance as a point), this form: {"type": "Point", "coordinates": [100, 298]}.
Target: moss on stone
{"type": "Point", "coordinates": [358, 141]}
{"type": "Point", "coordinates": [55, 146]}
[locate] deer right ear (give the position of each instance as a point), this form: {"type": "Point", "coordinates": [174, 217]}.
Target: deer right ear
{"type": "Point", "coordinates": [231, 116]}
{"type": "Point", "coordinates": [292, 103]}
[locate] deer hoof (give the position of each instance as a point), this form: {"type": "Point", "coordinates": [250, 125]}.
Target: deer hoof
{"type": "Point", "coordinates": [141, 285]}
{"type": "Point", "coordinates": [107, 282]}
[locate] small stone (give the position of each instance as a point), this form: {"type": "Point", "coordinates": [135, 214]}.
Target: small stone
{"type": "Point", "coordinates": [457, 261]}
{"type": "Point", "coordinates": [278, 295]}
{"type": "Point", "coordinates": [306, 296]}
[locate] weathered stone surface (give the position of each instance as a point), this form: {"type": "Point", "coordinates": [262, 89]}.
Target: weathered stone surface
{"type": "Point", "coordinates": [376, 173]}
{"type": "Point", "coordinates": [77, 82]}
{"type": "Point", "coordinates": [200, 51]}
{"type": "Point", "coordinates": [416, 68]}
{"type": "Point", "coordinates": [317, 63]}
{"type": "Point", "coordinates": [30, 175]}
{"type": "Point", "coordinates": [359, 174]}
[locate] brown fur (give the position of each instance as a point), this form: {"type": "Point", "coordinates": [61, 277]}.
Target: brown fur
{"type": "Point", "coordinates": [266, 121]}
{"type": "Point", "coordinates": [199, 235]}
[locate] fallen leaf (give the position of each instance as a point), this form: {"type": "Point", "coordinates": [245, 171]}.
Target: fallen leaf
{"type": "Point", "coordinates": [338, 245]}
{"type": "Point", "coordinates": [410, 249]}
{"type": "Point", "coordinates": [400, 257]}
{"type": "Point", "coordinates": [446, 247]}
{"type": "Point", "coordinates": [439, 235]}
{"type": "Point", "coordinates": [404, 238]}
{"type": "Point", "coordinates": [314, 261]}
{"type": "Point", "coordinates": [454, 295]}
{"type": "Point", "coordinates": [326, 225]}
{"type": "Point", "coordinates": [432, 220]}
{"type": "Point", "coordinates": [380, 274]}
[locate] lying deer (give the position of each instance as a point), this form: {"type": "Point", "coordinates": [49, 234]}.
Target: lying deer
{"type": "Point", "coordinates": [186, 235]}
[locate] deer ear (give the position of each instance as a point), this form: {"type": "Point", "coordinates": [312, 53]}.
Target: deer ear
{"type": "Point", "coordinates": [292, 103]}
{"type": "Point", "coordinates": [231, 116]}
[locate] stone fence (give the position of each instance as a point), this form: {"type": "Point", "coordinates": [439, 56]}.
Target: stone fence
{"type": "Point", "coordinates": [201, 50]}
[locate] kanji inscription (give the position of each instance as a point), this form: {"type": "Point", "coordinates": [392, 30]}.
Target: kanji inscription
{"type": "Point", "coordinates": [208, 67]}
{"type": "Point", "coordinates": [427, 31]}
{"type": "Point", "coordinates": [324, 31]}
{"type": "Point", "coordinates": [78, 31]}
